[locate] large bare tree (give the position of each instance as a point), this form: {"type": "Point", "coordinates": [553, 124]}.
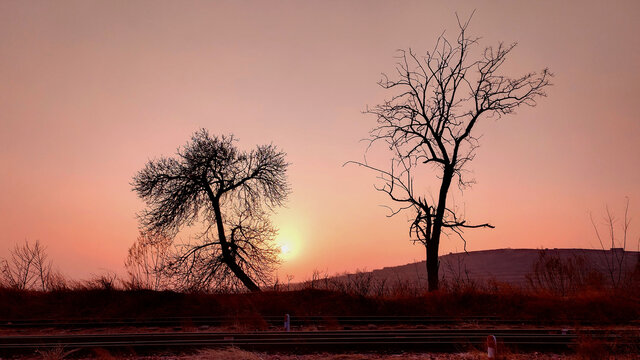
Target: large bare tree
{"type": "Point", "coordinates": [438, 99]}
{"type": "Point", "coordinates": [230, 193]}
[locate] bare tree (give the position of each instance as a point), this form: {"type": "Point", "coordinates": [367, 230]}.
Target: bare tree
{"type": "Point", "coordinates": [562, 275]}
{"type": "Point", "coordinates": [616, 259]}
{"type": "Point", "coordinates": [27, 268]}
{"type": "Point", "coordinates": [230, 193]}
{"type": "Point", "coordinates": [146, 261]}
{"type": "Point", "coordinates": [438, 98]}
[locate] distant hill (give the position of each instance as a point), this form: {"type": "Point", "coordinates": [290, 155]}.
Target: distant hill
{"type": "Point", "coordinates": [502, 265]}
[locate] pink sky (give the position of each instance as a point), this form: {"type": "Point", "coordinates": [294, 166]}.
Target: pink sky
{"type": "Point", "coordinates": [90, 91]}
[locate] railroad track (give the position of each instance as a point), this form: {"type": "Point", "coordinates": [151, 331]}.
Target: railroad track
{"type": "Point", "coordinates": [331, 341]}
{"type": "Point", "coordinates": [296, 321]}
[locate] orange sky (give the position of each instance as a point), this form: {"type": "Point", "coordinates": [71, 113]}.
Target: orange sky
{"type": "Point", "coordinates": [89, 91]}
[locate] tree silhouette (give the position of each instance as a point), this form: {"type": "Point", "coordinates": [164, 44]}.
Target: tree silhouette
{"type": "Point", "coordinates": [28, 267]}
{"type": "Point", "coordinates": [230, 193]}
{"type": "Point", "coordinates": [147, 261]}
{"type": "Point", "coordinates": [437, 100]}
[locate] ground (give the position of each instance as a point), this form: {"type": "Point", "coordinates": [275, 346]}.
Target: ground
{"type": "Point", "coordinates": [236, 354]}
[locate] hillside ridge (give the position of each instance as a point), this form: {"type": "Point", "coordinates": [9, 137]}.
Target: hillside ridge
{"type": "Point", "coordinates": [504, 265]}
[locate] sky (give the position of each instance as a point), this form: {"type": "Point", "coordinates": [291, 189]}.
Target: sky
{"type": "Point", "coordinates": [92, 90]}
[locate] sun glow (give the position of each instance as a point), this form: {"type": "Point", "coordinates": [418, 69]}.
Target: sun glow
{"type": "Point", "coordinates": [288, 242]}
{"type": "Point", "coordinates": [285, 249]}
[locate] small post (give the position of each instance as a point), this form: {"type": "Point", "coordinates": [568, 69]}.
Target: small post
{"type": "Point", "coordinates": [492, 347]}
{"type": "Point", "coordinates": [287, 323]}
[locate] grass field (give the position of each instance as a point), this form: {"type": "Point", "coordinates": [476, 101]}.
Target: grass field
{"type": "Point", "coordinates": [603, 307]}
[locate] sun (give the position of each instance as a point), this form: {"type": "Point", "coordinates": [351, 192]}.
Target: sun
{"type": "Point", "coordinates": [288, 244]}
{"type": "Point", "coordinates": [285, 249]}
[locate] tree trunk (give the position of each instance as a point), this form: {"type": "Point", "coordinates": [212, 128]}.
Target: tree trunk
{"type": "Point", "coordinates": [433, 244]}
{"type": "Point", "coordinates": [226, 252]}
{"type": "Point", "coordinates": [433, 264]}
{"type": "Point", "coordinates": [224, 244]}
{"type": "Point", "coordinates": [231, 263]}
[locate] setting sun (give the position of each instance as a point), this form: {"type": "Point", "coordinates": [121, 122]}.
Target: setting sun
{"type": "Point", "coordinates": [289, 243]}
{"type": "Point", "coordinates": [284, 249]}
{"type": "Point", "coordinates": [288, 248]}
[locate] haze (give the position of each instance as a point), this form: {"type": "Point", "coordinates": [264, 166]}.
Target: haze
{"type": "Point", "coordinates": [91, 91]}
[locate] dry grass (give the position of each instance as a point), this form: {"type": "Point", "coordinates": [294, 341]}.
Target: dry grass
{"type": "Point", "coordinates": [56, 353]}
{"type": "Point", "coordinates": [226, 354]}
{"type": "Point", "coordinates": [595, 306]}
{"type": "Point", "coordinates": [598, 306]}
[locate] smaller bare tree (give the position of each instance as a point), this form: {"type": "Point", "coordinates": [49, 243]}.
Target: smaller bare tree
{"type": "Point", "coordinates": [616, 257]}
{"type": "Point", "coordinates": [456, 276]}
{"type": "Point", "coordinates": [146, 260]}
{"type": "Point", "coordinates": [28, 267]}
{"type": "Point", "coordinates": [562, 276]}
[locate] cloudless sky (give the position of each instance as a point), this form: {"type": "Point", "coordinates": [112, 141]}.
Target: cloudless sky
{"type": "Point", "coordinates": [91, 90]}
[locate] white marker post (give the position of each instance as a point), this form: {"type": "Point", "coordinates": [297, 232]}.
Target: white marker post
{"type": "Point", "coordinates": [287, 323]}
{"type": "Point", "coordinates": [492, 347]}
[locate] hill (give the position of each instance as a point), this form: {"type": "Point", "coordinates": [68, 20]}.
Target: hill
{"type": "Point", "coordinates": [502, 265]}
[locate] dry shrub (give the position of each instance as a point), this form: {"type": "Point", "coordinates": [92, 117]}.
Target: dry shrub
{"type": "Point", "coordinates": [55, 353]}
{"type": "Point", "coordinates": [105, 282]}
{"type": "Point", "coordinates": [224, 354]}
{"type": "Point", "coordinates": [563, 276]}
{"type": "Point", "coordinates": [404, 289]}
{"type": "Point", "coordinates": [248, 310]}
{"type": "Point", "coordinates": [361, 283]}
{"type": "Point", "coordinates": [102, 282]}
{"type": "Point", "coordinates": [57, 282]}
